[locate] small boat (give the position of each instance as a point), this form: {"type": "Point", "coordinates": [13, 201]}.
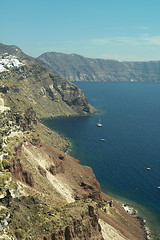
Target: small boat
{"type": "Point", "coordinates": [158, 187]}
{"type": "Point", "coordinates": [102, 140]}
{"type": "Point", "coordinates": [99, 124]}
{"type": "Point", "coordinates": [148, 168]}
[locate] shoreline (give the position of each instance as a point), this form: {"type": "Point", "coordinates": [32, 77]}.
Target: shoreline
{"type": "Point", "coordinates": [132, 211]}
{"type": "Point", "coordinates": [126, 206]}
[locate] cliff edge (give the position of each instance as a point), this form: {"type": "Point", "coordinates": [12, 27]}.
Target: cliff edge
{"type": "Point", "coordinates": [78, 68]}
{"type": "Point", "coordinates": [44, 193]}
{"type": "Point", "coordinates": [26, 82]}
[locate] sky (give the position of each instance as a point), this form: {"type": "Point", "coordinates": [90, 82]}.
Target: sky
{"type": "Point", "coordinates": [125, 30]}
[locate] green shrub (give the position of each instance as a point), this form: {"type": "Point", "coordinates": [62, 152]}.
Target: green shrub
{"type": "Point", "coordinates": [1, 167]}
{"type": "Point", "coordinates": [20, 233]}
{"type": "Point", "coordinates": [5, 163]}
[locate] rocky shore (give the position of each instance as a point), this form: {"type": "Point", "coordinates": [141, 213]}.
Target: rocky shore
{"type": "Point", "coordinates": [129, 209]}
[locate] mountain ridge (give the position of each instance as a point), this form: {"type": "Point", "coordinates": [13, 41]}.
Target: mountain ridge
{"type": "Point", "coordinates": [75, 67]}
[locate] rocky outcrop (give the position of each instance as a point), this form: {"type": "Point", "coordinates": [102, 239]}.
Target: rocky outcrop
{"type": "Point", "coordinates": [30, 217]}
{"type": "Point", "coordinates": [82, 224]}
{"type": "Point", "coordinates": [77, 68]}
{"type": "Point", "coordinates": [31, 84]}
{"type": "Point", "coordinates": [18, 171]}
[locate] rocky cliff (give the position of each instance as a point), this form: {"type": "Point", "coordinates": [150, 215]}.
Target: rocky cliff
{"type": "Point", "coordinates": [26, 82]}
{"type": "Point", "coordinates": [44, 193]}
{"type": "Point", "coordinates": [77, 68]}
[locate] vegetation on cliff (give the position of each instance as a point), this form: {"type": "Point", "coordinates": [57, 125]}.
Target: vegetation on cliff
{"type": "Point", "coordinates": [33, 85]}
{"type": "Point", "coordinates": [44, 193]}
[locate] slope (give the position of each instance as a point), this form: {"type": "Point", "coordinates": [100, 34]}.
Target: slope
{"type": "Point", "coordinates": [77, 68]}
{"type": "Point", "coordinates": [44, 193]}
{"type": "Point", "coordinates": [26, 82]}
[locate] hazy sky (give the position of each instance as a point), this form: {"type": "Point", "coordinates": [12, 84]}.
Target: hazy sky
{"type": "Point", "coordinates": [112, 29]}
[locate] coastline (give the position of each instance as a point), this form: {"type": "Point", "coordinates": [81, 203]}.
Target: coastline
{"type": "Point", "coordinates": [129, 208]}
{"type": "Point", "coordinates": [132, 211]}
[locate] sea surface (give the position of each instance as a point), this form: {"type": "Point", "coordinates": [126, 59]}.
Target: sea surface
{"type": "Point", "coordinates": [130, 114]}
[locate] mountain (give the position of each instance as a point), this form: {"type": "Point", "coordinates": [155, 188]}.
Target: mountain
{"type": "Point", "coordinates": [77, 68]}
{"type": "Point", "coordinates": [13, 50]}
{"type": "Point", "coordinates": [45, 194]}
{"type": "Point", "coordinates": [30, 83]}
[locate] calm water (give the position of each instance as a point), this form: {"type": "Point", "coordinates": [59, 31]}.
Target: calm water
{"type": "Point", "coordinates": [130, 113]}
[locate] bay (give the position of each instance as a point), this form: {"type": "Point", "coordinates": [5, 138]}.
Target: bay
{"type": "Point", "coordinates": [130, 114]}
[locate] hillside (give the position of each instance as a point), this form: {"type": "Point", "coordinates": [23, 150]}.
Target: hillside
{"type": "Point", "coordinates": [31, 84]}
{"type": "Point", "coordinates": [77, 68]}
{"type": "Point", "coordinates": [44, 193]}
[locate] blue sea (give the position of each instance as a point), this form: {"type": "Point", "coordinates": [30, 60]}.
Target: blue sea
{"type": "Point", "coordinates": [130, 114]}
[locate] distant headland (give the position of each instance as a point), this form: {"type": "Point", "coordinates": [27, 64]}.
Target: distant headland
{"type": "Point", "coordinates": [78, 68]}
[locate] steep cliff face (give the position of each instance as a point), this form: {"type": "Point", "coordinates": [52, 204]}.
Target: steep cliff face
{"type": "Point", "coordinates": [77, 68]}
{"type": "Point", "coordinates": [39, 186]}
{"type": "Point", "coordinates": [31, 218]}
{"type": "Point", "coordinates": [26, 82]}
{"type": "Point", "coordinates": [44, 193]}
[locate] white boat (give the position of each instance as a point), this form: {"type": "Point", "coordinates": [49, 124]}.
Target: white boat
{"type": "Point", "coordinates": [99, 124]}
{"type": "Point", "coordinates": [102, 140]}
